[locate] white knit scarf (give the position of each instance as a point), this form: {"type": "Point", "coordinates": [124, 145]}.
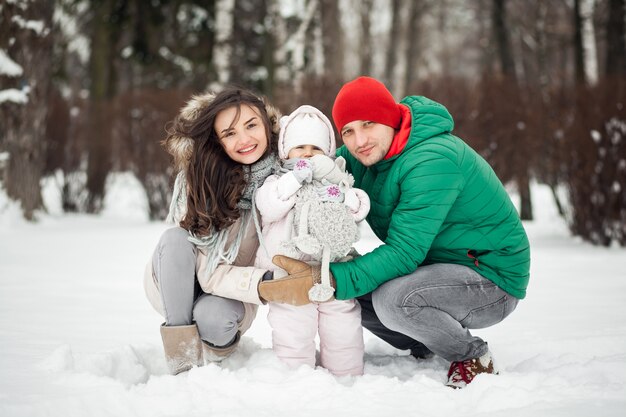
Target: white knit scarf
{"type": "Point", "coordinates": [215, 243]}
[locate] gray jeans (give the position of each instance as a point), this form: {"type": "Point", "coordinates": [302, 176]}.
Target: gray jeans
{"type": "Point", "coordinates": [433, 308]}
{"type": "Point", "coordinates": [174, 266]}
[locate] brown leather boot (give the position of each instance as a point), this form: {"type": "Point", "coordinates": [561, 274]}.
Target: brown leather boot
{"type": "Point", "coordinates": [215, 354]}
{"type": "Point", "coordinates": [183, 347]}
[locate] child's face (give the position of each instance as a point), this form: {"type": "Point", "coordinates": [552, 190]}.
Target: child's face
{"type": "Point", "coordinates": [304, 151]}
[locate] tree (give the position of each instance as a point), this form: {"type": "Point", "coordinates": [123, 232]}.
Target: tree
{"type": "Point", "coordinates": [332, 38]}
{"type": "Point", "coordinates": [251, 57]}
{"type": "Point", "coordinates": [579, 53]}
{"type": "Point", "coordinates": [416, 9]}
{"type": "Point", "coordinates": [223, 47]}
{"type": "Point", "coordinates": [392, 50]}
{"type": "Point", "coordinates": [501, 36]}
{"type": "Point", "coordinates": [616, 35]}
{"type": "Point", "coordinates": [108, 17]}
{"type": "Point", "coordinates": [25, 42]}
{"type": "Point", "coordinates": [517, 156]}
{"type": "Point", "coordinates": [365, 44]}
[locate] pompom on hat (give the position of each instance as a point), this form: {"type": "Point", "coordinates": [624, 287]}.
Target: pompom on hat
{"type": "Point", "coordinates": [366, 99]}
{"type": "Point", "coordinates": [306, 125]}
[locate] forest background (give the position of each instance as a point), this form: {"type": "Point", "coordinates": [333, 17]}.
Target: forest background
{"type": "Point", "coordinates": [538, 88]}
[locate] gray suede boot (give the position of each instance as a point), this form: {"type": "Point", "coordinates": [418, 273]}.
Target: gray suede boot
{"type": "Point", "coordinates": [183, 347]}
{"type": "Point", "coordinates": [215, 354]}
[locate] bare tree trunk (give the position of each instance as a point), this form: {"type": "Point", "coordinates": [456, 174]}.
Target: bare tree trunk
{"type": "Point", "coordinates": [579, 53]}
{"type": "Point", "coordinates": [507, 66]}
{"type": "Point", "coordinates": [366, 38]}
{"type": "Point", "coordinates": [332, 38]}
{"type": "Point", "coordinates": [589, 42]}
{"type": "Point", "coordinates": [557, 201]}
{"type": "Point", "coordinates": [391, 58]}
{"type": "Point", "coordinates": [486, 32]}
{"type": "Point", "coordinates": [616, 43]}
{"type": "Point", "coordinates": [290, 37]}
{"type": "Point", "coordinates": [415, 11]}
{"type": "Point", "coordinates": [280, 73]}
{"type": "Point", "coordinates": [541, 54]}
{"type": "Point", "coordinates": [503, 43]}
{"type": "Point", "coordinates": [25, 40]}
{"type": "Point", "coordinates": [269, 46]}
{"type": "Point", "coordinates": [300, 46]}
{"type": "Point", "coordinates": [223, 48]}
{"type": "Point", "coordinates": [548, 152]}
{"type": "Point", "coordinates": [108, 16]}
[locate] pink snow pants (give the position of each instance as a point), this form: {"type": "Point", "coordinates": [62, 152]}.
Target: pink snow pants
{"type": "Point", "coordinates": [340, 333]}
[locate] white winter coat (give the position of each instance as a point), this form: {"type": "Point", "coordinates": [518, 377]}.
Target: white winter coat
{"type": "Point", "coordinates": [275, 200]}
{"type": "Point", "coordinates": [237, 281]}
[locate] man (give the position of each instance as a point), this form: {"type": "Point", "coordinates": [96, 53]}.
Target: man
{"type": "Point", "coordinates": [455, 255]}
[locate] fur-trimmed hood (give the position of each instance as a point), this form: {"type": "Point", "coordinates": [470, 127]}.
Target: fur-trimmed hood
{"type": "Point", "coordinates": [181, 147]}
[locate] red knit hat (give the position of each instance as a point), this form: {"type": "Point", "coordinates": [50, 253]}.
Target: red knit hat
{"type": "Point", "coordinates": [366, 99]}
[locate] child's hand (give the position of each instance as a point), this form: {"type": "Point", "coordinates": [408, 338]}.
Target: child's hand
{"type": "Point", "coordinates": [303, 171]}
{"type": "Point", "coordinates": [333, 171]}
{"type": "Point", "coordinates": [330, 192]}
{"type": "Point", "coordinates": [352, 201]}
{"type": "Point", "coordinates": [322, 166]}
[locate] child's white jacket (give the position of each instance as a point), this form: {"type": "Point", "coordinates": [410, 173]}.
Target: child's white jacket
{"type": "Point", "coordinates": [275, 200]}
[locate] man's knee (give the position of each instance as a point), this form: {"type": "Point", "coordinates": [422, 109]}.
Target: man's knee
{"type": "Point", "coordinates": [388, 303]}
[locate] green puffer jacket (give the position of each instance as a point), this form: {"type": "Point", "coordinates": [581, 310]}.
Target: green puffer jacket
{"type": "Point", "coordinates": [437, 201]}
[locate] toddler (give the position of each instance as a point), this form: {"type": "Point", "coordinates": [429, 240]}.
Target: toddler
{"type": "Point", "coordinates": [310, 212]}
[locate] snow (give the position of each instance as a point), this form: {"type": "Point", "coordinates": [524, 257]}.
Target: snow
{"type": "Point", "coordinates": [67, 23]}
{"type": "Point", "coordinates": [9, 67]}
{"type": "Point", "coordinates": [36, 26]}
{"type": "Point", "coordinates": [125, 198]}
{"type": "Point", "coordinates": [14, 95]}
{"type": "Point", "coordinates": [596, 136]}
{"type": "Point", "coordinates": [78, 338]}
{"type": "Point", "coordinates": [180, 61]}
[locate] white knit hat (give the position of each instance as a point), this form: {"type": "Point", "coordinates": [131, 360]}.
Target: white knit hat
{"type": "Point", "coordinates": [306, 125]}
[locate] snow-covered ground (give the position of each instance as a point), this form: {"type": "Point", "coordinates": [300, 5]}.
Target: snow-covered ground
{"type": "Point", "coordinates": [78, 338]}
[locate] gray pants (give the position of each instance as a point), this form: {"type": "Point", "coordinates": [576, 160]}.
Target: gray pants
{"type": "Point", "coordinates": [174, 266]}
{"type": "Point", "coordinates": [433, 308]}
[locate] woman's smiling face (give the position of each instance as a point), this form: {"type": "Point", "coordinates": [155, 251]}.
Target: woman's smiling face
{"type": "Point", "coordinates": [242, 133]}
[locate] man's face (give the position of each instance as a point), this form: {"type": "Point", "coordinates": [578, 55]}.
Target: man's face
{"type": "Point", "coordinates": [367, 141]}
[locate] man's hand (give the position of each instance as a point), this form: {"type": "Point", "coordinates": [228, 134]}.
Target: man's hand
{"type": "Point", "coordinates": [294, 288]}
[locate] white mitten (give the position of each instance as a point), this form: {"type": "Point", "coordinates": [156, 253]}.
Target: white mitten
{"type": "Point", "coordinates": [322, 166]}
{"type": "Point", "coordinates": [352, 201]}
{"type": "Point", "coordinates": [331, 192]}
{"type": "Point", "coordinates": [303, 171]}
{"type": "Point", "coordinates": [334, 172]}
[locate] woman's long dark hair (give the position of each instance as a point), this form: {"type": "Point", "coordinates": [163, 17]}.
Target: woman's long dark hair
{"type": "Point", "coordinates": [215, 182]}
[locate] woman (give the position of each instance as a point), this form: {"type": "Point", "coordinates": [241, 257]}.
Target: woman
{"type": "Point", "coordinates": [201, 278]}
